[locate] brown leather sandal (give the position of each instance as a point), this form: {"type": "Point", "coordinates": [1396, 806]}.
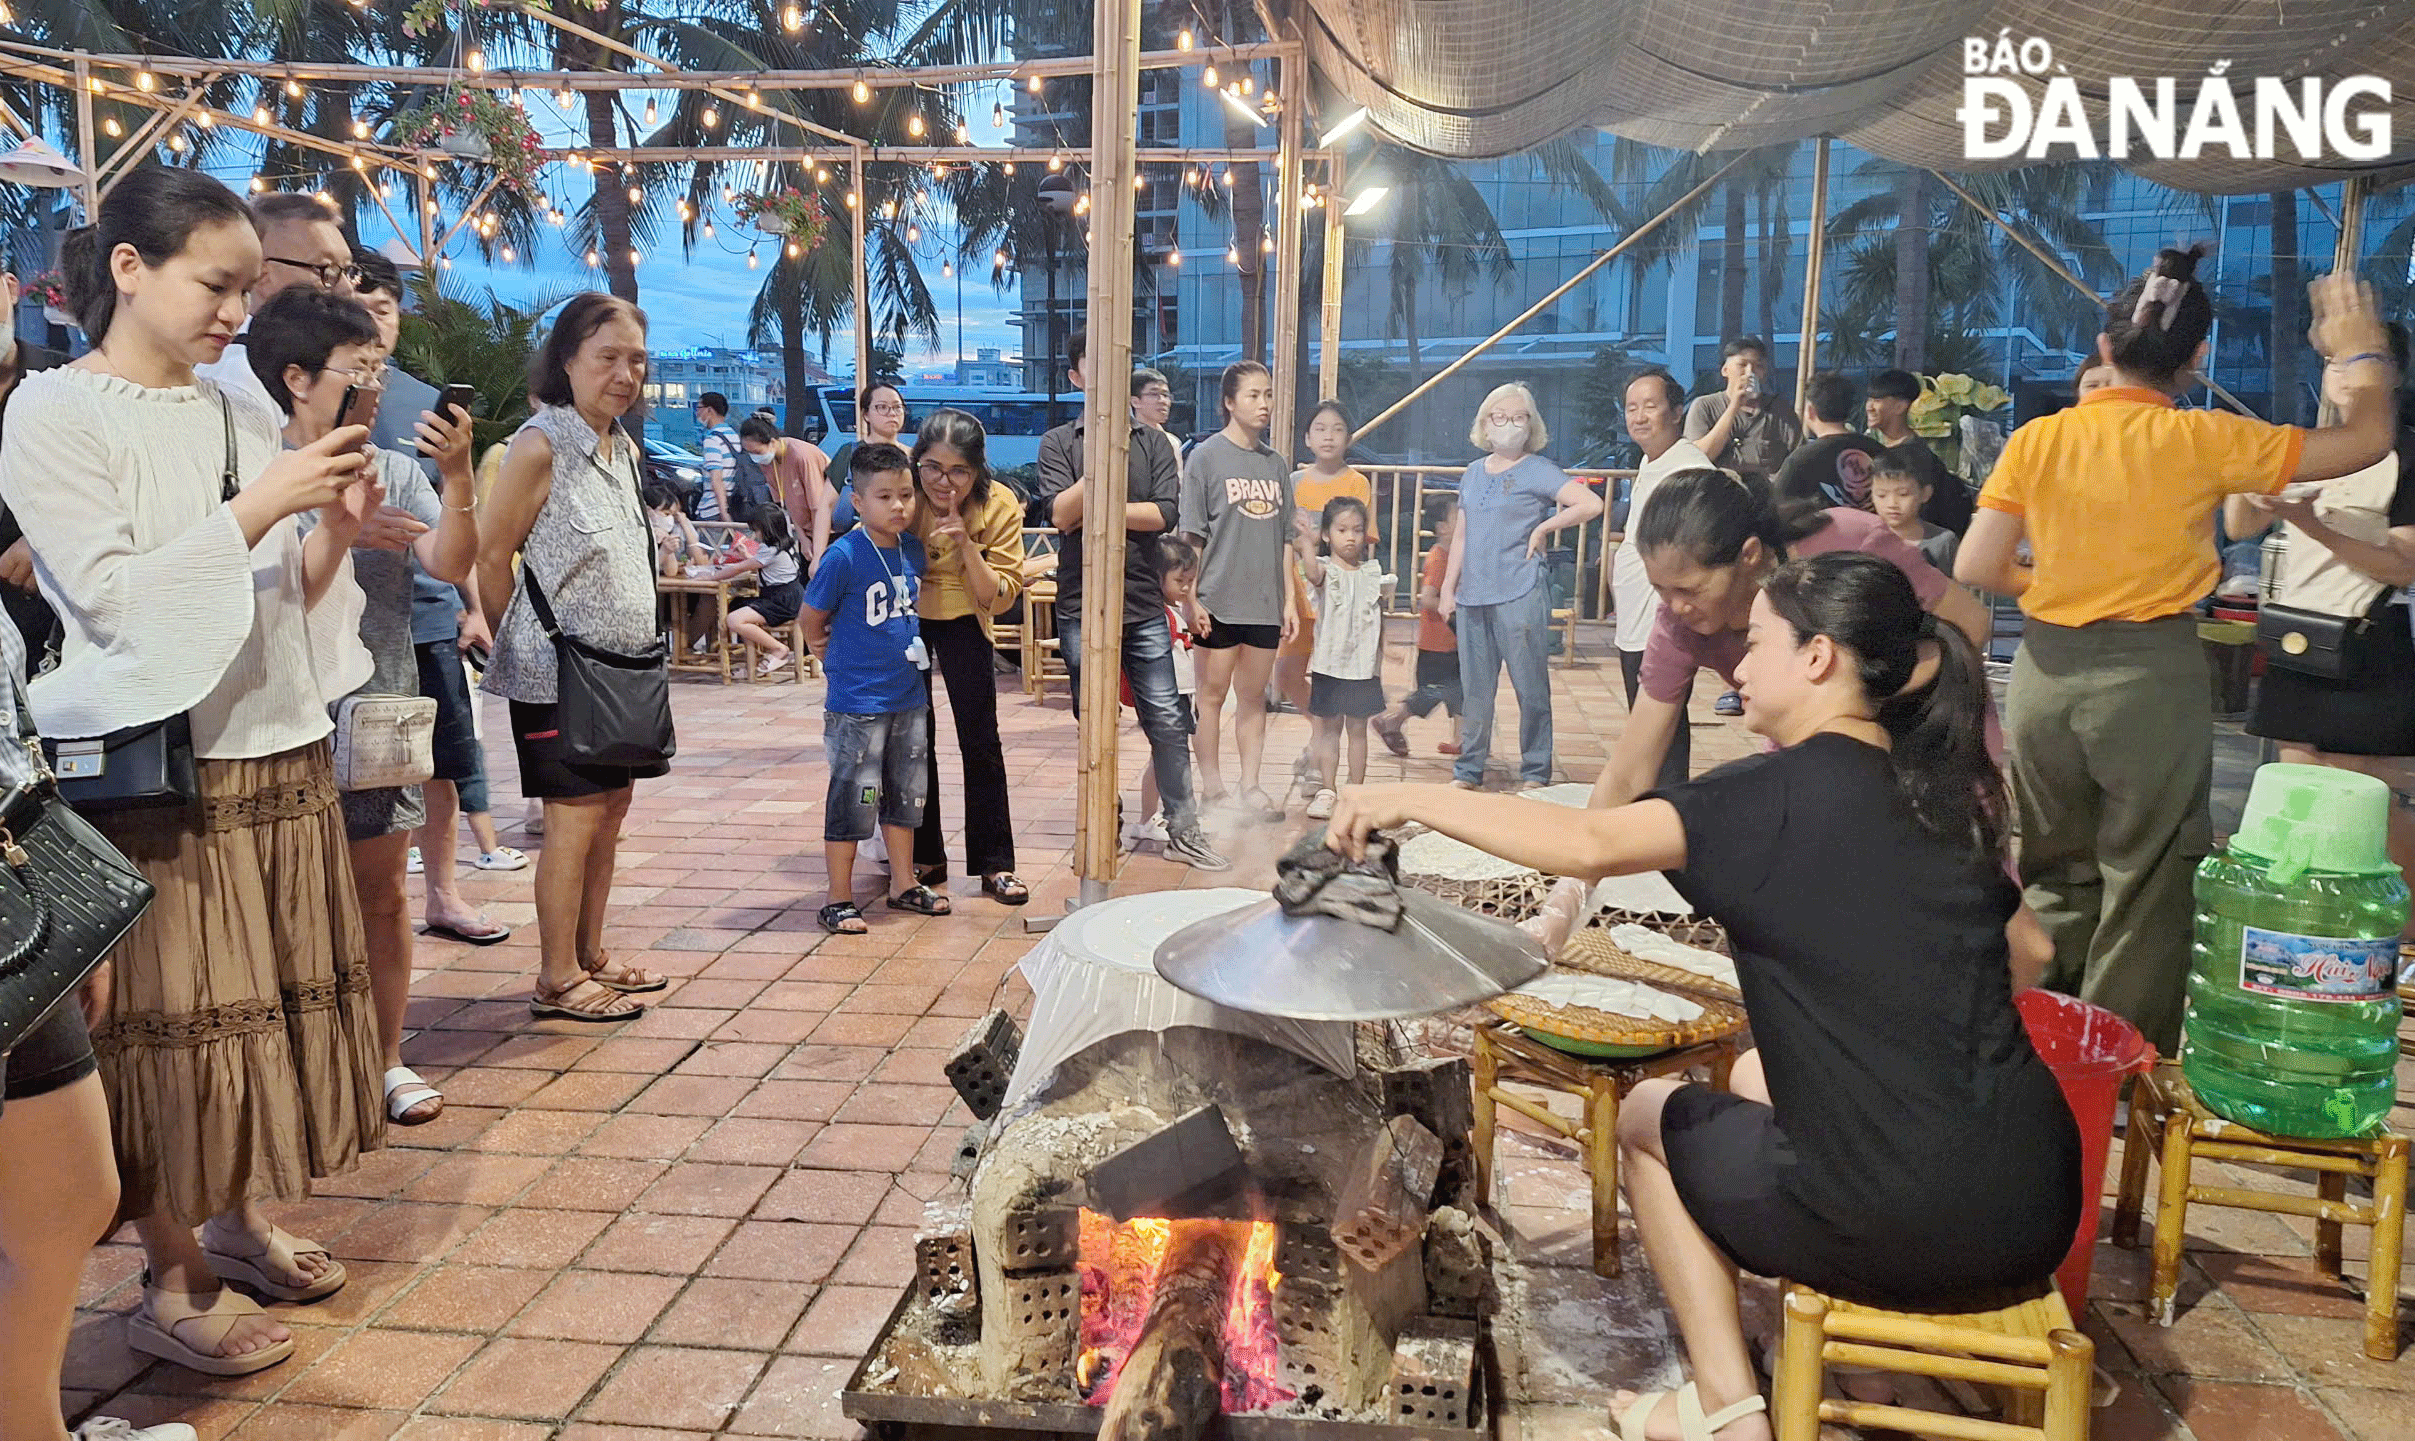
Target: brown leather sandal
{"type": "Point", "coordinates": [605, 1007]}
{"type": "Point", "coordinates": [628, 980]}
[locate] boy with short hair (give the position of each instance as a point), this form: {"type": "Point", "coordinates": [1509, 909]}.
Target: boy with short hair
{"type": "Point", "coordinates": [859, 618]}
{"type": "Point", "coordinates": [1437, 645]}
{"type": "Point", "coordinates": [1899, 487]}
{"type": "Point", "coordinates": [1178, 572]}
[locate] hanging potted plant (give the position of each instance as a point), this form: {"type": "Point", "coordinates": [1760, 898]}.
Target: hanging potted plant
{"type": "Point", "coordinates": [1936, 416]}
{"type": "Point", "coordinates": [477, 126]}
{"type": "Point", "coordinates": [51, 289]}
{"type": "Point", "coordinates": [788, 212]}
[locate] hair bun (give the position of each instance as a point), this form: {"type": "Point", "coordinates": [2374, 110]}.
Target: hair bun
{"type": "Point", "coordinates": [2180, 264]}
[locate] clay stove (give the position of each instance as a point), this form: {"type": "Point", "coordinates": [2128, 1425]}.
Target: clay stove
{"type": "Point", "coordinates": [1190, 1228]}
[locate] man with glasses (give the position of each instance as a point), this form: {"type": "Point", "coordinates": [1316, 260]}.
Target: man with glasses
{"type": "Point", "coordinates": [301, 243]}
{"type": "Point", "coordinates": [1152, 399]}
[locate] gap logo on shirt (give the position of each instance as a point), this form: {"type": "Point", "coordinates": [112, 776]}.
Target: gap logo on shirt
{"type": "Point", "coordinates": [886, 600]}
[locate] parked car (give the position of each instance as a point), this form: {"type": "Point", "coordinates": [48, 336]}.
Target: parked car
{"type": "Point", "coordinates": [682, 470]}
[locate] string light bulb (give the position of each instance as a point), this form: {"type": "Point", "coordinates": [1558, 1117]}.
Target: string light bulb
{"type": "Point", "coordinates": [914, 126]}
{"type": "Point", "coordinates": [507, 255]}
{"type": "Point", "coordinates": [260, 115]}
{"type": "Point", "coordinates": [821, 176]}
{"type": "Point", "coordinates": [946, 270]}
{"type": "Point", "coordinates": [794, 250]}
{"type": "Point", "coordinates": [1002, 259]}
{"type": "Point", "coordinates": [1034, 85]}
{"type": "Point", "coordinates": [1209, 78]}
{"type": "Point", "coordinates": [850, 200]}
{"type": "Point", "coordinates": [888, 209]}
{"type": "Point", "coordinates": [1228, 179]}
{"type": "Point", "coordinates": [913, 234]}
{"type": "Point", "coordinates": [792, 19]}
{"type": "Point", "coordinates": [708, 230]}
{"type": "Point", "coordinates": [1232, 255]}
{"type": "Point", "coordinates": [1183, 41]}
{"type": "Point", "coordinates": [1249, 84]}
{"type": "Point", "coordinates": [634, 257]}
{"type": "Point", "coordinates": [862, 92]}
{"type": "Point", "coordinates": [997, 113]}
{"type": "Point", "coordinates": [649, 110]}
{"type": "Point", "coordinates": [686, 212]}
{"type": "Point", "coordinates": [293, 89]}
{"type": "Point", "coordinates": [711, 117]}
{"type": "Point", "coordinates": [360, 129]}
{"type": "Point", "coordinates": [1266, 244]}
{"type": "Point", "coordinates": [206, 120]}
{"type": "Point", "coordinates": [1081, 205]}
{"type": "Point", "coordinates": [385, 189]}
{"type": "Point", "coordinates": [111, 128]}
{"type": "Point", "coordinates": [751, 261]}
{"type": "Point", "coordinates": [964, 133]}
{"type": "Point", "coordinates": [145, 81]}
{"type": "Point", "coordinates": [1174, 259]}
{"type": "Point", "coordinates": [636, 196]}
{"type": "Point", "coordinates": [1055, 163]}
{"type": "Point", "coordinates": [176, 143]}
{"type": "Point", "coordinates": [564, 99]}
{"type": "Point", "coordinates": [259, 186]}
{"type": "Point", "coordinates": [754, 98]}
{"type": "Point", "coordinates": [1140, 182]}
{"type": "Point", "coordinates": [593, 260]}
{"type": "Point", "coordinates": [477, 61]}
{"type": "Point", "coordinates": [446, 262]}
{"type": "Point", "coordinates": [1009, 167]}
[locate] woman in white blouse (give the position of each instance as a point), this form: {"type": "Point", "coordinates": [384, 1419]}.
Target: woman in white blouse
{"type": "Point", "coordinates": [236, 1043]}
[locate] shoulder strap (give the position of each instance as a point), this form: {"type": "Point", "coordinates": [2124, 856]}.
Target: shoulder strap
{"type": "Point", "coordinates": [228, 485]}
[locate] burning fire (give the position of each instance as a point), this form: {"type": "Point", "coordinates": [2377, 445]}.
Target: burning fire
{"type": "Point", "coordinates": [1119, 1275]}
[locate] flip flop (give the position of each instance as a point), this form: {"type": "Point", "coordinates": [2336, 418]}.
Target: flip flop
{"type": "Point", "coordinates": [497, 936]}
{"type": "Point", "coordinates": [407, 1090]}
{"type": "Point", "coordinates": [158, 1327]}
{"type": "Point", "coordinates": [502, 858]}
{"type": "Point", "coordinates": [1394, 741]}
{"type": "Point", "coordinates": [280, 1253]}
{"type": "Point", "coordinates": [547, 1004]}
{"type": "Point", "coordinates": [922, 901]}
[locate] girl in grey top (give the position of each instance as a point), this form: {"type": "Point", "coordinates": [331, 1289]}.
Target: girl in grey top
{"type": "Point", "coordinates": [1236, 505]}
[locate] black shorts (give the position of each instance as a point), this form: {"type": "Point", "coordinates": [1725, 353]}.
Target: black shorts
{"type": "Point", "coordinates": [545, 776]}
{"type": "Point", "coordinates": [53, 1054]}
{"type": "Point", "coordinates": [1224, 636]}
{"type": "Point", "coordinates": [778, 604]}
{"type": "Point", "coordinates": [1331, 695]}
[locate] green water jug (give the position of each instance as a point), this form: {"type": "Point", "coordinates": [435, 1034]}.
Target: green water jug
{"type": "Point", "coordinates": [2293, 1008]}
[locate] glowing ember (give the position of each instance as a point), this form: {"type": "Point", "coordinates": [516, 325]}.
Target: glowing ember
{"type": "Point", "coordinates": [1119, 1275]}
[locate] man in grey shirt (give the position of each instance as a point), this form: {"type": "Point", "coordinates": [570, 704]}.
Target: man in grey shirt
{"type": "Point", "coordinates": [1745, 428]}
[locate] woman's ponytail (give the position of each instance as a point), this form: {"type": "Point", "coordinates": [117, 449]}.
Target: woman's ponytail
{"type": "Point", "coordinates": [84, 275]}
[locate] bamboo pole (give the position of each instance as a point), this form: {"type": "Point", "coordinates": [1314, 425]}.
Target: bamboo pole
{"type": "Point", "coordinates": [861, 271]}
{"type": "Point", "coordinates": [1571, 283]}
{"type": "Point", "coordinates": [469, 212]}
{"type": "Point", "coordinates": [2347, 252]}
{"type": "Point", "coordinates": [427, 225]}
{"type": "Point", "coordinates": [1290, 244]}
{"type": "Point", "coordinates": [85, 143]}
{"type": "Point", "coordinates": [1115, 108]}
{"type": "Point", "coordinates": [1815, 260]}
{"type": "Point", "coordinates": [82, 82]}
{"type": "Point", "coordinates": [719, 91]}
{"type": "Point", "coordinates": [1329, 337]}
{"type": "Point", "coordinates": [140, 142]}
{"type": "Point", "coordinates": [15, 121]}
{"type": "Point", "coordinates": [2049, 260]}
{"type": "Point", "coordinates": [908, 154]}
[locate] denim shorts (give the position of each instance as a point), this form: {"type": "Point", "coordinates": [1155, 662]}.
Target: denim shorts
{"type": "Point", "coordinates": [879, 766]}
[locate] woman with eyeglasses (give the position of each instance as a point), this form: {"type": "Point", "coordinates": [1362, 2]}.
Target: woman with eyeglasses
{"type": "Point", "coordinates": [971, 527]}
{"type": "Point", "coordinates": [236, 1039]}
{"type": "Point", "coordinates": [880, 418]}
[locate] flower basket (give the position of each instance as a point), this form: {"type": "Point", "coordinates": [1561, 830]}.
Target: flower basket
{"type": "Point", "coordinates": [788, 212]}
{"type": "Point", "coordinates": [478, 127]}
{"type": "Point", "coordinates": [1944, 400]}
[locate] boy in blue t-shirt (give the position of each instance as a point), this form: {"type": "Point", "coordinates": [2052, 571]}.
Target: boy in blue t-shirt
{"type": "Point", "coordinates": [876, 719]}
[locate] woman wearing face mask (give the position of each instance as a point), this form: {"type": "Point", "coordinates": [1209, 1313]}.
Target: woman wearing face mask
{"type": "Point", "coordinates": [880, 417]}
{"type": "Point", "coordinates": [971, 529]}
{"type": "Point", "coordinates": [235, 1035]}
{"type": "Point", "coordinates": [1893, 1139]}
{"type": "Point", "coordinates": [1237, 508]}
{"type": "Point", "coordinates": [1495, 588]}
{"type": "Point", "coordinates": [800, 481]}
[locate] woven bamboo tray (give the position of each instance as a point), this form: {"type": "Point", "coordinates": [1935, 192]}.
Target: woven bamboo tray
{"type": "Point", "coordinates": [1699, 931]}
{"type": "Point", "coordinates": [1591, 952]}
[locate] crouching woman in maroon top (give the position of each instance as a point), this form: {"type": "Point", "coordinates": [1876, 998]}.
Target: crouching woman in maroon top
{"type": "Point", "coordinates": [1894, 1139]}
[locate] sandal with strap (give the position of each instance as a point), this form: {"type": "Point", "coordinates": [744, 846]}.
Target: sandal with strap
{"type": "Point", "coordinates": [604, 1006]}
{"type": "Point", "coordinates": [1691, 1423]}
{"type": "Point", "coordinates": [1006, 888]}
{"type": "Point", "coordinates": [628, 980]}
{"type": "Point", "coordinates": [269, 1261]}
{"type": "Point", "coordinates": [922, 901]}
{"type": "Point", "coordinates": [187, 1329]}
{"type": "Point", "coordinates": [841, 918]}
{"type": "Point", "coordinates": [407, 1091]}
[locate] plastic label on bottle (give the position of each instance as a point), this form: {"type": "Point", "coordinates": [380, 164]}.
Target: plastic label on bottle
{"type": "Point", "coordinates": [2316, 968]}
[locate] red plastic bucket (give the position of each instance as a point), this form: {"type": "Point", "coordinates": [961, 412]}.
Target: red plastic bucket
{"type": "Point", "coordinates": [2091, 1052]}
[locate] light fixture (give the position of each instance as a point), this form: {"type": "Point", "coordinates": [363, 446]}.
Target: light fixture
{"type": "Point", "coordinates": [1232, 255]}
{"type": "Point", "coordinates": [964, 133]}
{"type": "Point", "coordinates": [636, 196]}
{"type": "Point", "coordinates": [1001, 259]}
{"type": "Point", "coordinates": [754, 98]}
{"type": "Point", "coordinates": [1246, 110]}
{"type": "Point", "coordinates": [946, 270]}
{"type": "Point", "coordinates": [564, 99]}
{"type": "Point", "coordinates": [821, 176]}
{"type": "Point", "coordinates": [1367, 199]}
{"type": "Point", "coordinates": [751, 262]}
{"type": "Point", "coordinates": [997, 113]}
{"type": "Point", "coordinates": [634, 257]}
{"type": "Point", "coordinates": [708, 230]}
{"type": "Point", "coordinates": [1209, 78]}
{"type": "Point", "coordinates": [1228, 178]}
{"type": "Point", "coordinates": [592, 260]}
{"type": "Point", "coordinates": [1081, 205]}
{"type": "Point", "coordinates": [477, 61]}
{"type": "Point", "coordinates": [446, 262]}
{"type": "Point", "coordinates": [507, 255]}
{"type": "Point", "coordinates": [794, 250]}
{"type": "Point", "coordinates": [1249, 84]}
{"type": "Point", "coordinates": [1344, 126]}
{"type": "Point", "coordinates": [1266, 243]}
{"type": "Point", "coordinates": [850, 200]}
{"type": "Point", "coordinates": [914, 126]}
{"type": "Point", "coordinates": [792, 19]}
{"type": "Point", "coordinates": [293, 89]}
{"type": "Point", "coordinates": [862, 92]}
{"type": "Point", "coordinates": [385, 189]}
{"type": "Point", "coordinates": [711, 117]}
{"type": "Point", "coordinates": [208, 121]}
{"type": "Point", "coordinates": [1008, 168]}
{"type": "Point", "coordinates": [888, 209]}
{"type": "Point", "coordinates": [1183, 41]}
{"type": "Point", "coordinates": [649, 110]}
{"type": "Point", "coordinates": [176, 143]}
{"type": "Point", "coordinates": [360, 129]}
{"type": "Point", "coordinates": [1174, 259]}
{"type": "Point", "coordinates": [1140, 182]}
{"type": "Point", "coordinates": [685, 211]}
{"type": "Point", "coordinates": [1055, 163]}
{"type": "Point", "coordinates": [110, 127]}
{"type": "Point", "coordinates": [913, 235]}
{"type": "Point", "coordinates": [145, 81]}
{"type": "Point", "coordinates": [1034, 85]}
{"type": "Point", "coordinates": [260, 115]}
{"type": "Point", "coordinates": [259, 186]}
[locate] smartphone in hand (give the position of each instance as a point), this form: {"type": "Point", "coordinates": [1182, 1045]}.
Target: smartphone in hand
{"type": "Point", "coordinates": [463, 398]}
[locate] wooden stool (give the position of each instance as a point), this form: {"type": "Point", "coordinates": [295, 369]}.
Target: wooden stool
{"type": "Point", "coordinates": [2030, 1349]}
{"type": "Point", "coordinates": [1506, 1054]}
{"type": "Point", "coordinates": [2165, 1113]}
{"type": "Point", "coordinates": [794, 634]}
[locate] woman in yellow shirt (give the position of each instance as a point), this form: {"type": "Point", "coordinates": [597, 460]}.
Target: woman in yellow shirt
{"type": "Point", "coordinates": [1330, 477]}
{"type": "Point", "coordinates": [972, 528]}
{"type": "Point", "coordinates": [2110, 717]}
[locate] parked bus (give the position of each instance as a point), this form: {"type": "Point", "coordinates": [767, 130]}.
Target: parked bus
{"type": "Point", "coordinates": [1014, 419]}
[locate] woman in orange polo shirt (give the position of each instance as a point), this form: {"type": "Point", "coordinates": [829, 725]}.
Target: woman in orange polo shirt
{"type": "Point", "coordinates": [2110, 717]}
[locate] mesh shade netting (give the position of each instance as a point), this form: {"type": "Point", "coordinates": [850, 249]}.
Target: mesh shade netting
{"type": "Point", "coordinates": [1474, 78]}
{"type": "Point", "coordinates": [1095, 977]}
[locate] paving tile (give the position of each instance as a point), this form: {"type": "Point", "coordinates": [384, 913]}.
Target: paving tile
{"type": "Point", "coordinates": [476, 1178]}
{"type": "Point", "coordinates": [678, 1022]}
{"type": "Point", "coordinates": [855, 1147]}
{"type": "Point", "coordinates": [698, 1188]}
{"type": "Point", "coordinates": [799, 1251]}
{"type": "Point", "coordinates": [2234, 1411]}
{"type": "Point", "coordinates": [613, 1306]}
{"type": "Point", "coordinates": [2209, 1340]}
{"type": "Point", "coordinates": [815, 1062]}
{"type": "Point", "coordinates": [801, 995]}
{"type": "Point", "coordinates": [692, 1095]}
{"type": "Point", "coordinates": [882, 1256]}
{"type": "Point", "coordinates": [538, 1133]}
{"type": "Point", "coordinates": [470, 1428]}
{"type": "Point", "coordinates": [490, 1086]}
{"type": "Point", "coordinates": [2329, 1352]}
{"type": "Point", "coordinates": [593, 1183]}
{"type": "Point", "coordinates": [380, 1175]}
{"type": "Point", "coordinates": [717, 1311]}
{"type": "Point", "coordinates": [784, 1029]}
{"type": "Point", "coordinates": [867, 1029]}
{"type": "Point", "coordinates": [538, 1050]}
{"type": "Point", "coordinates": [536, 1380]}
{"type": "Point", "coordinates": [409, 1231]}
{"type": "Point", "coordinates": [884, 1103]}
{"type": "Point", "coordinates": [2369, 1415]}
{"type": "Point", "coordinates": [840, 967]}
{"type": "Point", "coordinates": [798, 1396]}
{"type": "Point", "coordinates": [297, 1422]}
{"type": "Point", "coordinates": [677, 1386]}
{"type": "Point", "coordinates": [877, 998]}
{"type": "Point", "coordinates": [725, 995]}
{"type": "Point", "coordinates": [98, 1358]}
{"type": "Point", "coordinates": [846, 1198]}
{"type": "Point", "coordinates": [213, 1419]}
{"type": "Point", "coordinates": [754, 1142]}
{"type": "Point", "coordinates": [535, 1239]}
{"type": "Point", "coordinates": [733, 1058]}
{"type": "Point", "coordinates": [641, 1054]}
{"type": "Point", "coordinates": [844, 1320]}
{"type": "Point", "coordinates": [383, 1368]}
{"type": "Point", "coordinates": [2289, 1285]}
{"type": "Point", "coordinates": [590, 1090]}
{"type": "Point", "coordinates": [461, 1297]}
{"type": "Point", "coordinates": [796, 1100]}
{"type": "Point", "coordinates": [673, 1245]}
{"type": "Point", "coordinates": [591, 1431]}
{"type": "Point", "coordinates": [645, 1137]}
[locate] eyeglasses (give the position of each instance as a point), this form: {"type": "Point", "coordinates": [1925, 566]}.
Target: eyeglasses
{"type": "Point", "coordinates": [371, 376]}
{"type": "Point", "coordinates": [887, 407]}
{"type": "Point", "coordinates": [1504, 418]}
{"type": "Point", "coordinates": [329, 275]}
{"type": "Point", "coordinates": [960, 476]}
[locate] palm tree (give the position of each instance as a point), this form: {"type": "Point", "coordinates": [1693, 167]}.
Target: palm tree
{"type": "Point", "coordinates": [449, 339]}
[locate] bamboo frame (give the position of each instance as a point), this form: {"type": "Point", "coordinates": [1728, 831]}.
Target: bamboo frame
{"type": "Point", "coordinates": [859, 270]}
{"type": "Point", "coordinates": [2032, 1350]}
{"type": "Point", "coordinates": [1329, 325]}
{"type": "Point", "coordinates": [1571, 283]}
{"type": "Point", "coordinates": [80, 80]}
{"type": "Point", "coordinates": [1290, 249]}
{"type": "Point", "coordinates": [1815, 261]}
{"type": "Point", "coordinates": [469, 212]}
{"type": "Point", "coordinates": [86, 142]}
{"type": "Point", "coordinates": [1115, 106]}
{"type": "Point", "coordinates": [137, 144]}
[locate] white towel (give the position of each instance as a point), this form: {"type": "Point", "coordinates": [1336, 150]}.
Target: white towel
{"type": "Point", "coordinates": [1651, 945]}
{"type": "Point", "coordinates": [1612, 994]}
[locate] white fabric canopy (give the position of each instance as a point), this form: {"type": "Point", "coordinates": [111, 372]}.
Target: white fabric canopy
{"type": "Point", "coordinates": [1471, 78]}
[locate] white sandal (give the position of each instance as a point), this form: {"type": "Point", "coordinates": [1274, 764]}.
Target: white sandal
{"type": "Point", "coordinates": [1691, 1423]}
{"type": "Point", "coordinates": [501, 858]}
{"type": "Point", "coordinates": [405, 1089]}
{"type": "Point", "coordinates": [154, 1326]}
{"type": "Point", "coordinates": [265, 1269]}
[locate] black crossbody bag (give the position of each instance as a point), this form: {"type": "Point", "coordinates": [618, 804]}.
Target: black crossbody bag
{"type": "Point", "coordinates": [612, 707]}
{"type": "Point", "coordinates": [144, 767]}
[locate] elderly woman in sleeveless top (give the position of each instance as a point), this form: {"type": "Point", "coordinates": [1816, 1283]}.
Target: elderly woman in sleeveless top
{"type": "Point", "coordinates": [567, 505]}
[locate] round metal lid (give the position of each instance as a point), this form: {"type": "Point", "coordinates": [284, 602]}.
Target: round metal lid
{"type": "Point", "coordinates": [1314, 968]}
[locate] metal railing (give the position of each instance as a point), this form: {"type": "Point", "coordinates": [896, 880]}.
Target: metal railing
{"type": "Point", "coordinates": [1581, 555]}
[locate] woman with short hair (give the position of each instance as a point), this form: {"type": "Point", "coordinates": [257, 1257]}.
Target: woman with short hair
{"type": "Point", "coordinates": [1496, 589]}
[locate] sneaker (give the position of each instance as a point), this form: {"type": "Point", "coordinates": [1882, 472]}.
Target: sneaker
{"type": "Point", "coordinates": [110, 1428]}
{"type": "Point", "coordinates": [1154, 829]}
{"type": "Point", "coordinates": [1192, 849]}
{"type": "Point", "coordinates": [414, 865]}
{"type": "Point", "coordinates": [1321, 808]}
{"type": "Point", "coordinates": [1728, 704]}
{"type": "Point", "coordinates": [502, 858]}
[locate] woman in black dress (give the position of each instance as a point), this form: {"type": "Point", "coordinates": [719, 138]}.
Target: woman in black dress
{"type": "Point", "coordinates": [1894, 1139]}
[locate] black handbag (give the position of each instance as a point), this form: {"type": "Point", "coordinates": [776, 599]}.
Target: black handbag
{"type": "Point", "coordinates": [141, 767]}
{"type": "Point", "coordinates": [2327, 647]}
{"type": "Point", "coordinates": [613, 708]}
{"type": "Point", "coordinates": [66, 896]}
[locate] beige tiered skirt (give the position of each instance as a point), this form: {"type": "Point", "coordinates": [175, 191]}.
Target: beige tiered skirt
{"type": "Point", "coordinates": [240, 1051]}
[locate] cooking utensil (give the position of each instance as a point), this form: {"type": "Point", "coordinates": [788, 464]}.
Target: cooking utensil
{"type": "Point", "coordinates": [1314, 968]}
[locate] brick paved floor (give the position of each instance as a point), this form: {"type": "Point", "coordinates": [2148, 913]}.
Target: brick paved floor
{"type": "Point", "coordinates": [692, 1224]}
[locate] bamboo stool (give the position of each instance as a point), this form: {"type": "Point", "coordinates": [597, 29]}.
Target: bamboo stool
{"type": "Point", "coordinates": [796, 674]}
{"type": "Point", "coordinates": [1505, 1054]}
{"type": "Point", "coordinates": [2165, 1113]}
{"type": "Point", "coordinates": [2030, 1349]}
